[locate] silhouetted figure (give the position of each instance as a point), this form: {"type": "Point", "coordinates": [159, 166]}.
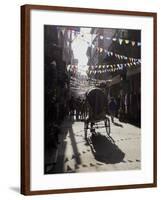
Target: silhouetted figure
{"type": "Point", "coordinates": [83, 109]}
{"type": "Point", "coordinates": [78, 108]}
{"type": "Point", "coordinates": [112, 106]}
{"type": "Point", "coordinates": [71, 107]}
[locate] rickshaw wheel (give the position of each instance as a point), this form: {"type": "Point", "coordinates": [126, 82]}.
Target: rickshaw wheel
{"type": "Point", "coordinates": [107, 126]}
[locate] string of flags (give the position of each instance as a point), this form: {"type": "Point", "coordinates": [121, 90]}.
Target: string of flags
{"type": "Point", "coordinates": [119, 56]}
{"type": "Point", "coordinates": [110, 53]}
{"type": "Point", "coordinates": [105, 68]}
{"type": "Point", "coordinates": [111, 68]}
{"type": "Point", "coordinates": [102, 37]}
{"type": "Point", "coordinates": [121, 41]}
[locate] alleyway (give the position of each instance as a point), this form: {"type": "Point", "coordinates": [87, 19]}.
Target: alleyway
{"type": "Point", "coordinates": [76, 155]}
{"type": "Point", "coordinates": [91, 72]}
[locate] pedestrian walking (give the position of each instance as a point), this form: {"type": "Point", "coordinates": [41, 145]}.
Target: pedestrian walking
{"type": "Point", "coordinates": [71, 107]}
{"type": "Point", "coordinates": [112, 107]}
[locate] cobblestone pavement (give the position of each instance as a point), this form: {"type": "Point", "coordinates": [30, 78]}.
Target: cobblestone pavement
{"type": "Point", "coordinates": [76, 155]}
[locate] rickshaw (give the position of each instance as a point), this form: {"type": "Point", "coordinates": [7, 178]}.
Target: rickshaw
{"type": "Point", "coordinates": [97, 106]}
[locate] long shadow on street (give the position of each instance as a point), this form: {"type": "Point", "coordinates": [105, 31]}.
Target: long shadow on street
{"type": "Point", "coordinates": [105, 150]}
{"type": "Point", "coordinates": [59, 166]}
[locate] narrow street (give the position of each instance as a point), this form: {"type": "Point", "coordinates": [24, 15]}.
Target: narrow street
{"type": "Point", "coordinates": [91, 72]}
{"type": "Point", "coordinates": [76, 155]}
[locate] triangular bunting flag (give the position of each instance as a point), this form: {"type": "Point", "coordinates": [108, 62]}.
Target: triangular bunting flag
{"type": "Point", "coordinates": [120, 41]}
{"type": "Point", "coordinates": [126, 41]}
{"type": "Point", "coordinates": [101, 37]}
{"type": "Point", "coordinates": [133, 43]}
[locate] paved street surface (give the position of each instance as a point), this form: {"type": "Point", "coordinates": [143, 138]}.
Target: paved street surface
{"type": "Point", "coordinates": [76, 155]}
